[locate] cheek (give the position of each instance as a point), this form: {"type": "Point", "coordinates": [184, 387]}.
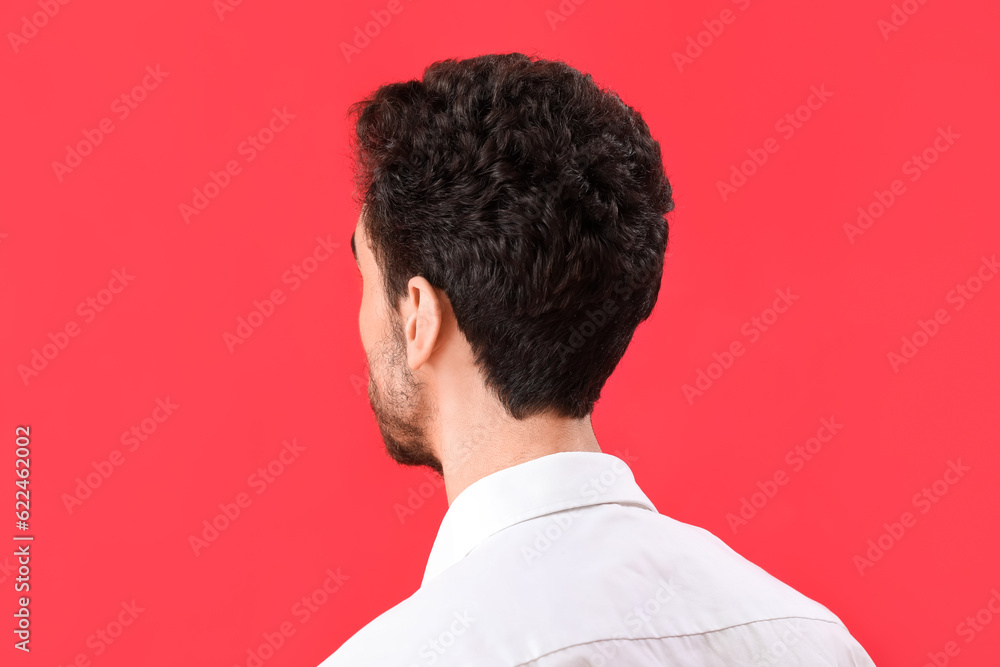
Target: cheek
{"type": "Point", "coordinates": [365, 322]}
{"type": "Point", "coordinates": [370, 321]}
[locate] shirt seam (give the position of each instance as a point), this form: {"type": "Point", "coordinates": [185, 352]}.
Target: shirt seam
{"type": "Point", "coordinates": [690, 634]}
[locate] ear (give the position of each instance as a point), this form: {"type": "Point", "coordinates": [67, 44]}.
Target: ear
{"type": "Point", "coordinates": [421, 321]}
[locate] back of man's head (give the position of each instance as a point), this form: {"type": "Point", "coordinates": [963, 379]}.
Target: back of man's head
{"type": "Point", "coordinates": [535, 201]}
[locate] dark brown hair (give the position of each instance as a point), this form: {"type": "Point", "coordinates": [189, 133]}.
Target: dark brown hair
{"type": "Point", "coordinates": [535, 200]}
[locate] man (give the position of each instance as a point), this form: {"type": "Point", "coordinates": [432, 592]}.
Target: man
{"type": "Point", "coordinates": [511, 238]}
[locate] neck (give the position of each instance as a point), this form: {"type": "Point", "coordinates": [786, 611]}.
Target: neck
{"type": "Point", "coordinates": [475, 445]}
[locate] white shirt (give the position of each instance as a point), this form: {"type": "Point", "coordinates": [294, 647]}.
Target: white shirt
{"type": "Point", "coordinates": [563, 561]}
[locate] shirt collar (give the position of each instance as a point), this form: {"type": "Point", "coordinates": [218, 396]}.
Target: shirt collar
{"type": "Point", "coordinates": [551, 483]}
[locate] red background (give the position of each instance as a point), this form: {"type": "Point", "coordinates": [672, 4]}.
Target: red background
{"type": "Point", "coordinates": [301, 374]}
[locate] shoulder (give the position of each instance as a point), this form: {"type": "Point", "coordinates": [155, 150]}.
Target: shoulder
{"type": "Point", "coordinates": [606, 573]}
{"type": "Point", "coordinates": [439, 619]}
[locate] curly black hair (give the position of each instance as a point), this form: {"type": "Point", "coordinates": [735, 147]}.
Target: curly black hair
{"type": "Point", "coordinates": [535, 201]}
